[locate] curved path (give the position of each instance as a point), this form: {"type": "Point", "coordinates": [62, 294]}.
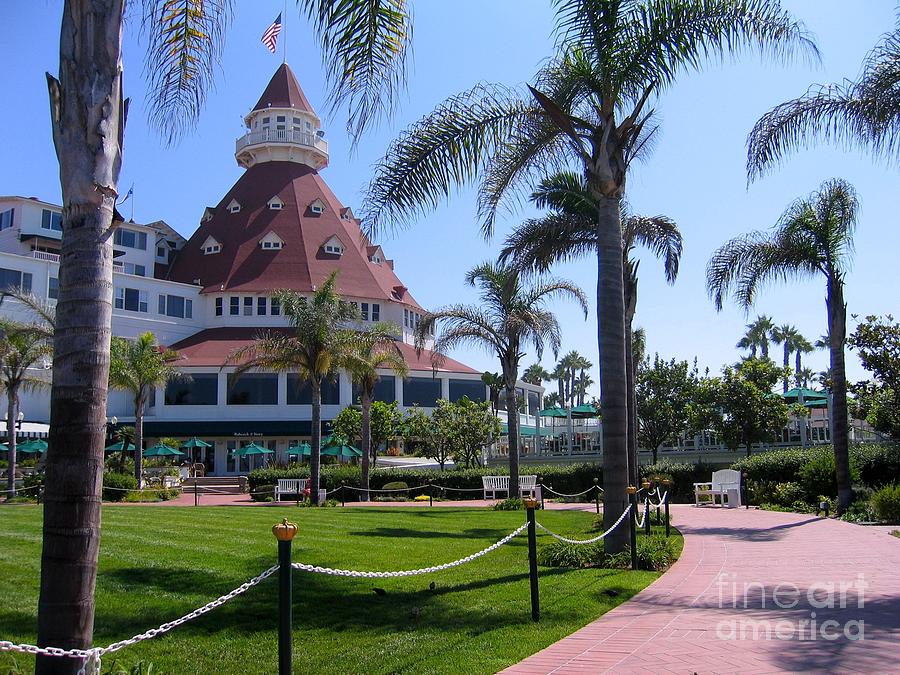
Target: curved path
{"type": "Point", "coordinates": [753, 592]}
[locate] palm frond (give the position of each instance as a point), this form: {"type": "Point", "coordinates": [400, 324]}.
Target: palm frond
{"type": "Point", "coordinates": [539, 243]}
{"type": "Point", "coordinates": [364, 44]}
{"type": "Point", "coordinates": [660, 235]}
{"type": "Point", "coordinates": [186, 39]}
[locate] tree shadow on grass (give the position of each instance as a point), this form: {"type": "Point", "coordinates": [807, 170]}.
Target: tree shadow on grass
{"type": "Point", "coordinates": [412, 533]}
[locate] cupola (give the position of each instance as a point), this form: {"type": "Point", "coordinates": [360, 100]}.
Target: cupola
{"type": "Point", "coordinates": [282, 127]}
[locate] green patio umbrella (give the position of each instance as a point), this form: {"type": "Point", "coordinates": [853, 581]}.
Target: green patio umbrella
{"type": "Point", "coordinates": [195, 443]}
{"type": "Point", "coordinates": [161, 450]}
{"type": "Point", "coordinates": [117, 447]}
{"type": "Point", "coordinates": [342, 451]}
{"type": "Point", "coordinates": [584, 411]}
{"type": "Point", "coordinates": [553, 412]}
{"type": "Point", "coordinates": [252, 449]}
{"type": "Point", "coordinates": [302, 450]}
{"type": "Point", "coordinates": [35, 447]}
{"type": "Point", "coordinates": [4, 447]}
{"type": "Point", "coordinates": [811, 398]}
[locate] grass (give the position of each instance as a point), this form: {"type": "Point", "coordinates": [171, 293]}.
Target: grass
{"type": "Point", "coordinates": [159, 563]}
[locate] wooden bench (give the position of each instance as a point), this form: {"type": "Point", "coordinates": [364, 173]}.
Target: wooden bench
{"type": "Point", "coordinates": [494, 484]}
{"type": "Point", "coordinates": [295, 486]}
{"type": "Point", "coordinates": [723, 482]}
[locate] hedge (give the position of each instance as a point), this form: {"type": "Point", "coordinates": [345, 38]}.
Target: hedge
{"type": "Point", "coordinates": [683, 476]}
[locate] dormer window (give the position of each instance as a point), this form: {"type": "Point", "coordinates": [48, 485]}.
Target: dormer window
{"type": "Point", "coordinates": [333, 246]}
{"type": "Point", "coordinates": [234, 206]}
{"type": "Point", "coordinates": [208, 213]}
{"type": "Point", "coordinates": [271, 242]}
{"type": "Point", "coordinates": [211, 246]}
{"type": "Point", "coordinates": [376, 255]}
{"type": "Point", "coordinates": [276, 204]}
{"type": "Point", "coordinates": [317, 207]}
{"type": "Point", "coordinates": [346, 214]}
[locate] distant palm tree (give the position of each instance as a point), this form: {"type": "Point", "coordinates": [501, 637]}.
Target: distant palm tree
{"type": "Point", "coordinates": [592, 106]}
{"type": "Point", "coordinates": [582, 386]}
{"type": "Point", "coordinates": [823, 342]}
{"type": "Point", "coordinates": [372, 350]}
{"type": "Point", "coordinates": [509, 315]}
{"type": "Point", "coordinates": [552, 400]}
{"type": "Point", "coordinates": [494, 383]}
{"type": "Point", "coordinates": [863, 113]}
{"type": "Point", "coordinates": [801, 346]}
{"type": "Point", "coordinates": [813, 237]}
{"type": "Point", "coordinates": [535, 374]}
{"type": "Point", "coordinates": [318, 342]}
{"type": "Point", "coordinates": [139, 366]}
{"type": "Point", "coordinates": [761, 328]}
{"type": "Point", "coordinates": [788, 336]}
{"type": "Point", "coordinates": [804, 376]}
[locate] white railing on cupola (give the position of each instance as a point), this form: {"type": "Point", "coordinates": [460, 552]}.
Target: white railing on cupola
{"type": "Point", "coordinates": [281, 136]}
{"type": "Point", "coordinates": [41, 255]}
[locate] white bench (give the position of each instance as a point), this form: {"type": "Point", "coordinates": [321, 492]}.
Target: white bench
{"type": "Point", "coordinates": [494, 484]}
{"type": "Point", "coordinates": [295, 486]}
{"type": "Point", "coordinates": [725, 483]}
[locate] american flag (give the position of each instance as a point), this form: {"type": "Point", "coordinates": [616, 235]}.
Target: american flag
{"type": "Point", "coordinates": [270, 37]}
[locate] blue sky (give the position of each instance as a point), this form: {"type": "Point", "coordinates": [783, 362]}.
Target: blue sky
{"type": "Point", "coordinates": [695, 175]}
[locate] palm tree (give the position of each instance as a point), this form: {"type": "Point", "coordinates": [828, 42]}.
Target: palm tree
{"type": "Point", "coordinates": [814, 236]}
{"type": "Point", "coordinates": [365, 45]}
{"type": "Point", "coordinates": [138, 367]}
{"type": "Point", "coordinates": [864, 113]}
{"type": "Point", "coordinates": [801, 346]}
{"type": "Point", "coordinates": [535, 374]}
{"type": "Point", "coordinates": [589, 106]}
{"type": "Point", "coordinates": [372, 350]}
{"type": "Point", "coordinates": [561, 375]}
{"type": "Point", "coordinates": [510, 315]}
{"type": "Point", "coordinates": [494, 383]}
{"type": "Point", "coordinates": [22, 347]}
{"type": "Point", "coordinates": [804, 376]}
{"type": "Point", "coordinates": [761, 328]}
{"type": "Point", "coordinates": [570, 231]}
{"type": "Point", "coordinates": [788, 336]}
{"type": "Point", "coordinates": [552, 400]}
{"type": "Point", "coordinates": [582, 385]}
{"type": "Point", "coordinates": [316, 345]}
{"type": "Point", "coordinates": [748, 341]}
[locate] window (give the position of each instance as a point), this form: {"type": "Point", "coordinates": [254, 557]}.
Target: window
{"type": "Point", "coordinates": [131, 299]}
{"type": "Point", "coordinates": [10, 279]}
{"type": "Point", "coordinates": [53, 288]}
{"type": "Point", "coordinates": [253, 389]}
{"type": "Point", "coordinates": [299, 392]}
{"type": "Point", "coordinates": [52, 220]}
{"type": "Point", "coordinates": [473, 390]}
{"type": "Point", "coordinates": [266, 120]}
{"type": "Point", "coordinates": [177, 306]}
{"type": "Point", "coordinates": [219, 308]}
{"type": "Point", "coordinates": [197, 389]}
{"type": "Point", "coordinates": [364, 311]}
{"type": "Point", "coordinates": [132, 268]}
{"type": "Point", "coordinates": [212, 248]}
{"type": "Point", "coordinates": [280, 118]}
{"type": "Point", "coordinates": [261, 306]}
{"type": "Point", "coordinates": [275, 307]}
{"type": "Point", "coordinates": [161, 252]}
{"type": "Point", "coordinates": [376, 312]}
{"type": "Point", "coordinates": [6, 219]}
{"type": "Point", "coordinates": [234, 206]}
{"type": "Point", "coordinates": [385, 390]}
{"type": "Point", "coordinates": [248, 306]}
{"type": "Point", "coordinates": [234, 307]}
{"type": "Point", "coordinates": [271, 244]}
{"type": "Point", "coordinates": [297, 120]}
{"type": "Point", "coordinates": [534, 403]}
{"type": "Point", "coordinates": [130, 239]}
{"type": "Point", "coordinates": [422, 391]}
{"type": "Point", "coordinates": [406, 318]}
{"type": "Point", "coordinates": [317, 207]}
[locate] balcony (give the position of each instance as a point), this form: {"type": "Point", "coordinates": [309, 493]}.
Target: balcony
{"type": "Point", "coordinates": [286, 137]}
{"type": "Point", "coordinates": [41, 255]}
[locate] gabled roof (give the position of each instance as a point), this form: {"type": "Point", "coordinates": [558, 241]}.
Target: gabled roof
{"type": "Point", "coordinates": [283, 91]}
{"type": "Point", "coordinates": [302, 264]}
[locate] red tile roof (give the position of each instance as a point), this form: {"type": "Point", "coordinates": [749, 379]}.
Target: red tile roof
{"type": "Point", "coordinates": [211, 348]}
{"type": "Point", "coordinates": [302, 264]}
{"type": "Point", "coordinates": [283, 91]}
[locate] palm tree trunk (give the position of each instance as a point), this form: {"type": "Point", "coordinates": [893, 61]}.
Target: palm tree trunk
{"type": "Point", "coordinates": [613, 377]}
{"type": "Point", "coordinates": [11, 414]}
{"type": "Point", "coordinates": [630, 307]}
{"type": "Point", "coordinates": [798, 362]}
{"type": "Point", "coordinates": [787, 362]}
{"type": "Point", "coordinates": [837, 329]}
{"type": "Point", "coordinates": [365, 434]}
{"type": "Point", "coordinates": [138, 440]}
{"type": "Point", "coordinates": [315, 455]}
{"type": "Point", "coordinates": [88, 120]}
{"type": "Point", "coordinates": [512, 424]}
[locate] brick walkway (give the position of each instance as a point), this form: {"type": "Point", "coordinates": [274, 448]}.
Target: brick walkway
{"type": "Point", "coordinates": [693, 619]}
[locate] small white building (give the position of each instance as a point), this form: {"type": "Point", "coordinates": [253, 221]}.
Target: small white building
{"type": "Point", "coordinates": [278, 227]}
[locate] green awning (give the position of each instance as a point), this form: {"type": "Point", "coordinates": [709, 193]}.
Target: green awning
{"type": "Point", "coordinates": [554, 412]}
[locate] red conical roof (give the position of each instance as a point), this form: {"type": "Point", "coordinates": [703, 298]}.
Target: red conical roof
{"type": "Point", "coordinates": [283, 91]}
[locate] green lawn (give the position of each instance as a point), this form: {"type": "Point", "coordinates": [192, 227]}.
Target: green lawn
{"type": "Point", "coordinates": [157, 563]}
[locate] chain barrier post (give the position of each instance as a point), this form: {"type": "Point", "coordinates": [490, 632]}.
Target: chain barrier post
{"type": "Point", "coordinates": [745, 496]}
{"type": "Point", "coordinates": [597, 495]}
{"type": "Point", "coordinates": [646, 485]}
{"type": "Point", "coordinates": [540, 482]}
{"type": "Point", "coordinates": [196, 493]}
{"type": "Point", "coordinates": [430, 492]}
{"type": "Point", "coordinates": [530, 505]}
{"type": "Point", "coordinates": [632, 499]}
{"type": "Point", "coordinates": [284, 532]}
{"type": "Point", "coordinates": [343, 493]}
{"type": "Point", "coordinates": [666, 483]}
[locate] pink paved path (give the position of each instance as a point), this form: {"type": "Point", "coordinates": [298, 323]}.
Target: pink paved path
{"type": "Point", "coordinates": [685, 622]}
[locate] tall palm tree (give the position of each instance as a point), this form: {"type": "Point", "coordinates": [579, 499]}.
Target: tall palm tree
{"type": "Point", "coordinates": [813, 237]}
{"type": "Point", "coordinates": [372, 350]}
{"type": "Point", "coordinates": [561, 375]}
{"type": "Point", "coordinates": [583, 385]}
{"type": "Point", "coordinates": [535, 374]}
{"type": "Point", "coordinates": [761, 329]}
{"type": "Point", "coordinates": [863, 113]}
{"type": "Point", "coordinates": [591, 105]}
{"type": "Point", "coordinates": [318, 342]}
{"type": "Point", "coordinates": [571, 362]}
{"type": "Point", "coordinates": [364, 44]}
{"type": "Point", "coordinates": [748, 341]}
{"type": "Point", "coordinates": [804, 376]}
{"type": "Point", "coordinates": [787, 336]}
{"type": "Point", "coordinates": [570, 231]}
{"type": "Point", "coordinates": [138, 367]}
{"type": "Point", "coordinates": [801, 346]}
{"type": "Point", "coordinates": [23, 347]}
{"type": "Point", "coordinates": [510, 315]}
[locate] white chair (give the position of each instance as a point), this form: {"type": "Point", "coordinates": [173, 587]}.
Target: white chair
{"type": "Point", "coordinates": [528, 486]}
{"type": "Point", "coordinates": [723, 482]}
{"type": "Point", "coordinates": [494, 484]}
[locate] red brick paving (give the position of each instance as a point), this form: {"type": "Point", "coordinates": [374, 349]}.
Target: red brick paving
{"type": "Point", "coordinates": [693, 618]}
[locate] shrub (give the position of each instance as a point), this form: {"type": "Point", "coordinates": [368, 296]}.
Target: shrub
{"type": "Point", "coordinates": [421, 498]}
{"type": "Point", "coordinates": [513, 504]}
{"type": "Point", "coordinates": [654, 553]}
{"type": "Point", "coordinates": [785, 494]}
{"type": "Point", "coordinates": [117, 485]}
{"type": "Point", "coordinates": [561, 554]}
{"type": "Point", "coordinates": [817, 476]}
{"type": "Point", "coordinates": [263, 493]}
{"type": "Point", "coordinates": [395, 485]}
{"type": "Point", "coordinates": [859, 511]}
{"type": "Point", "coordinates": [886, 503]}
{"type": "Point", "coordinates": [682, 475]}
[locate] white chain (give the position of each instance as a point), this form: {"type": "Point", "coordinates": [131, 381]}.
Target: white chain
{"type": "Point", "coordinates": [662, 500]}
{"type": "Point", "coordinates": [23, 489]}
{"type": "Point", "coordinates": [586, 541]}
{"type": "Point", "coordinates": [577, 494]}
{"type": "Point", "coordinates": [406, 489]}
{"type": "Point", "coordinates": [640, 522]}
{"type": "Point", "coordinates": [409, 573]}
{"type": "Point", "coordinates": [442, 487]}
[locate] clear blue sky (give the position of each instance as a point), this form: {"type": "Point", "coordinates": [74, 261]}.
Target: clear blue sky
{"type": "Point", "coordinates": [695, 175]}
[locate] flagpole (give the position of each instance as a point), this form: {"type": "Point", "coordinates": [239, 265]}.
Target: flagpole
{"type": "Point", "coordinates": [284, 31]}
